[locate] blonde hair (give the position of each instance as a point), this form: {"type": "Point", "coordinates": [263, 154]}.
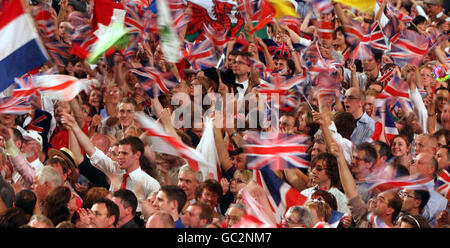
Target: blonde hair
{"type": "Point", "coordinates": [323, 210]}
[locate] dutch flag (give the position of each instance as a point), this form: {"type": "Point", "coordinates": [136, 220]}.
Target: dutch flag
{"type": "Point", "coordinates": [21, 49]}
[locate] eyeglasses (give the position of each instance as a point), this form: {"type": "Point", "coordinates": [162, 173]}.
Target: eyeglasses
{"type": "Point", "coordinates": [405, 194]}
{"type": "Point", "coordinates": [359, 159]}
{"type": "Point", "coordinates": [319, 168]}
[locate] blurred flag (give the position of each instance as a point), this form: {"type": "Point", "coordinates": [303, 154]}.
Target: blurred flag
{"type": "Point", "coordinates": [15, 106]}
{"type": "Point", "coordinates": [283, 8]}
{"type": "Point", "coordinates": [60, 87]}
{"type": "Point", "coordinates": [207, 147]}
{"type": "Point", "coordinates": [443, 183]}
{"type": "Point", "coordinates": [362, 5]}
{"type": "Point", "coordinates": [155, 82]}
{"type": "Point", "coordinates": [170, 44]}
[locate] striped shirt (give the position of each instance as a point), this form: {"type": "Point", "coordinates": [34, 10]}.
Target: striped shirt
{"type": "Point", "coordinates": [365, 127]}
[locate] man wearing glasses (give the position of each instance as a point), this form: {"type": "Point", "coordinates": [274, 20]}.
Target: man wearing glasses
{"type": "Point", "coordinates": [413, 201]}
{"type": "Point", "coordinates": [354, 99]}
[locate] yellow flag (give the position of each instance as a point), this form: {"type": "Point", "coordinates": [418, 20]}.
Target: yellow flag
{"type": "Point", "coordinates": [363, 5]}
{"type": "Point", "coordinates": [283, 8]}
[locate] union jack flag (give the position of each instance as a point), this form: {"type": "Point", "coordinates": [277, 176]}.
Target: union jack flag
{"type": "Point", "coordinates": [396, 90]}
{"type": "Point", "coordinates": [376, 221]}
{"type": "Point", "coordinates": [408, 47]}
{"type": "Point", "coordinates": [281, 50]}
{"type": "Point", "coordinates": [322, 6]}
{"type": "Point", "coordinates": [281, 195]}
{"type": "Point", "coordinates": [172, 145]}
{"type": "Point", "coordinates": [44, 19]}
{"type": "Point", "coordinates": [443, 183]}
{"type": "Point", "coordinates": [180, 20]}
{"type": "Point", "coordinates": [281, 151]}
{"type": "Point", "coordinates": [15, 106]}
{"type": "Point", "coordinates": [58, 51]}
{"type": "Point", "coordinates": [380, 185]}
{"type": "Point", "coordinates": [201, 55]}
{"type": "Point", "coordinates": [256, 217]}
{"type": "Point", "coordinates": [155, 82]}
{"type": "Point", "coordinates": [374, 38]}
{"type": "Point", "coordinates": [395, 13]}
{"type": "Point", "coordinates": [219, 38]}
{"type": "Point", "coordinates": [24, 87]}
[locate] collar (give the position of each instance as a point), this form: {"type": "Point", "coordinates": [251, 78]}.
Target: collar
{"type": "Point", "coordinates": [364, 118]}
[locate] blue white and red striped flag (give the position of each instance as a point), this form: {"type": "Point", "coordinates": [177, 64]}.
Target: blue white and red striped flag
{"type": "Point", "coordinates": [280, 151]}
{"type": "Point", "coordinates": [155, 82]}
{"type": "Point", "coordinates": [15, 106]}
{"type": "Point", "coordinates": [443, 183]}
{"type": "Point", "coordinates": [281, 195]}
{"type": "Point", "coordinates": [380, 185]}
{"type": "Point", "coordinates": [408, 47]}
{"type": "Point", "coordinates": [21, 49]}
{"type": "Point", "coordinates": [201, 55]}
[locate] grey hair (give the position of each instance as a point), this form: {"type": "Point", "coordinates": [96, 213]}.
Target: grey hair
{"type": "Point", "coordinates": [238, 206]}
{"type": "Point", "coordinates": [198, 174]}
{"type": "Point", "coordinates": [43, 219]}
{"type": "Point", "coordinates": [49, 174]}
{"type": "Point", "coordinates": [304, 215]}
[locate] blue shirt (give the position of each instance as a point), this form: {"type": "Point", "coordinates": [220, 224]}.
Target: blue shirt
{"type": "Point", "coordinates": [179, 224]}
{"type": "Point", "coordinates": [363, 132]}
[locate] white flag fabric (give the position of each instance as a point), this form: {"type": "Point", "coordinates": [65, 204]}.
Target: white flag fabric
{"type": "Point", "coordinates": [60, 87]}
{"type": "Point", "coordinates": [170, 44]}
{"type": "Point", "coordinates": [207, 147]}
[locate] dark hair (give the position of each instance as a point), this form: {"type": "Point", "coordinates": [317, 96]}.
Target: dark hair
{"type": "Point", "coordinates": [206, 211]}
{"type": "Point", "coordinates": [175, 193]}
{"type": "Point", "coordinates": [127, 198]}
{"type": "Point", "coordinates": [211, 185]}
{"type": "Point", "coordinates": [55, 205]}
{"type": "Point", "coordinates": [441, 88]}
{"type": "Point", "coordinates": [327, 197]}
{"type": "Point", "coordinates": [13, 218]}
{"type": "Point", "coordinates": [6, 192]}
{"type": "Point", "coordinates": [370, 154]}
{"type": "Point", "coordinates": [92, 110]}
{"type": "Point", "coordinates": [17, 135]}
{"type": "Point", "coordinates": [345, 123]}
{"type": "Point", "coordinates": [26, 200]}
{"type": "Point", "coordinates": [419, 20]}
{"type": "Point", "coordinates": [290, 64]}
{"type": "Point", "coordinates": [384, 150]}
{"type": "Point", "coordinates": [58, 160]}
{"type": "Point", "coordinates": [332, 167]}
{"type": "Point", "coordinates": [136, 144]}
{"type": "Point", "coordinates": [396, 204]}
{"type": "Point", "coordinates": [112, 208]}
{"type": "Point", "coordinates": [445, 133]}
{"type": "Point", "coordinates": [417, 221]}
{"type": "Point", "coordinates": [423, 196]}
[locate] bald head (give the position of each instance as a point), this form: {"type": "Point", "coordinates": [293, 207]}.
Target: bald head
{"type": "Point", "coordinates": [426, 143]}
{"type": "Point", "coordinates": [101, 141]}
{"type": "Point", "coordinates": [424, 164]}
{"type": "Point", "coordinates": [160, 220]}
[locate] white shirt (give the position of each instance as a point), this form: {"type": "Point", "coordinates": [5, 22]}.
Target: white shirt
{"type": "Point", "coordinates": [137, 178]}
{"type": "Point", "coordinates": [36, 164]}
{"type": "Point", "coordinates": [341, 199]}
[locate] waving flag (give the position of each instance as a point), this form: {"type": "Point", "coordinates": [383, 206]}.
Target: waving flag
{"type": "Point", "coordinates": [363, 5]}
{"type": "Point", "coordinates": [443, 183]}
{"type": "Point", "coordinates": [380, 185]}
{"type": "Point", "coordinates": [219, 38]}
{"type": "Point", "coordinates": [395, 13]}
{"type": "Point", "coordinates": [201, 55]}
{"type": "Point", "coordinates": [408, 47]}
{"type": "Point", "coordinates": [376, 221]}
{"type": "Point", "coordinates": [58, 51]}
{"type": "Point", "coordinates": [165, 143]}
{"type": "Point", "coordinates": [45, 19]}
{"type": "Point", "coordinates": [335, 219]}
{"type": "Point", "coordinates": [15, 106]}
{"type": "Point", "coordinates": [60, 87]}
{"type": "Point", "coordinates": [362, 42]}
{"type": "Point", "coordinates": [21, 50]}
{"type": "Point", "coordinates": [322, 6]}
{"type": "Point", "coordinates": [256, 217]}
{"type": "Point", "coordinates": [154, 81]}
{"type": "Point", "coordinates": [170, 44]}
{"type": "Point", "coordinates": [325, 29]}
{"type": "Point", "coordinates": [207, 147]}
{"type": "Point", "coordinates": [259, 11]}
{"type": "Point", "coordinates": [278, 50]}
{"type": "Point", "coordinates": [280, 151]}
{"type": "Point", "coordinates": [280, 194]}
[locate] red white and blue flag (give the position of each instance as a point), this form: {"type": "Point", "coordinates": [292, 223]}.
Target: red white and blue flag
{"type": "Point", "coordinates": [15, 106]}
{"type": "Point", "coordinates": [60, 87]}
{"type": "Point", "coordinates": [408, 47]}
{"type": "Point", "coordinates": [363, 41]}
{"type": "Point", "coordinates": [155, 82]}
{"type": "Point", "coordinates": [376, 221]}
{"type": "Point", "coordinates": [443, 183]}
{"type": "Point", "coordinates": [380, 185]}
{"type": "Point", "coordinates": [219, 38]}
{"type": "Point", "coordinates": [21, 49]}
{"type": "Point", "coordinates": [281, 195]}
{"type": "Point", "coordinates": [280, 151]}
{"type": "Point", "coordinates": [201, 55]}
{"type": "Point", "coordinates": [395, 13]}
{"type": "Point", "coordinates": [396, 93]}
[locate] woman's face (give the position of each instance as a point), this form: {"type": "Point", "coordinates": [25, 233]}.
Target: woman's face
{"type": "Point", "coordinates": [237, 183]}
{"type": "Point", "coordinates": [399, 147]}
{"type": "Point", "coordinates": [340, 39]}
{"type": "Point", "coordinates": [95, 98]}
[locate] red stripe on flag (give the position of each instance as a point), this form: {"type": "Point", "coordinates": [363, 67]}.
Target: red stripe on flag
{"type": "Point", "coordinates": [11, 12]}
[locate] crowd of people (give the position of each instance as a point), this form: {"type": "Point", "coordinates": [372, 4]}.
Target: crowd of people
{"type": "Point", "coordinates": [90, 163]}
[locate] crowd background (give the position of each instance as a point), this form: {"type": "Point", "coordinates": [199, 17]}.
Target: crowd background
{"type": "Point", "coordinates": [366, 92]}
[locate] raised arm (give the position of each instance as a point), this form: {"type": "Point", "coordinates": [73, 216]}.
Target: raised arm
{"type": "Point", "coordinates": [82, 138]}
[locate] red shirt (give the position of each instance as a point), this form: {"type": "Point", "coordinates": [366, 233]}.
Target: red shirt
{"type": "Point", "coordinates": [60, 138]}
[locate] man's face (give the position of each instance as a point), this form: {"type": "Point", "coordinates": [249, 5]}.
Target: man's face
{"type": "Point", "coordinates": [114, 94]}
{"type": "Point", "coordinates": [162, 202]}
{"type": "Point", "coordinates": [359, 165]}
{"type": "Point", "coordinates": [423, 144]}
{"type": "Point", "coordinates": [442, 98]}
{"type": "Point", "coordinates": [290, 220]}
{"type": "Point", "coordinates": [445, 117]}
{"type": "Point", "coordinates": [432, 9]}
{"type": "Point", "coordinates": [231, 61]}
{"type": "Point", "coordinates": [238, 161]}
{"type": "Point", "coordinates": [126, 158]}
{"type": "Point", "coordinates": [422, 165]}
{"type": "Point", "coordinates": [28, 148]}
{"type": "Point", "coordinates": [319, 172]}
{"type": "Point", "coordinates": [352, 101]}
{"type": "Point", "coordinates": [381, 204]}
{"type": "Point", "coordinates": [188, 183]}
{"type": "Point", "coordinates": [126, 111]}
{"type": "Point", "coordinates": [7, 119]}
{"type": "Point", "coordinates": [408, 200]}
{"type": "Point", "coordinates": [191, 218]}
{"type": "Point", "coordinates": [369, 64]}
{"type": "Point", "coordinates": [369, 106]}
{"type": "Point", "coordinates": [442, 158]}
{"type": "Point", "coordinates": [281, 65]}
{"type": "Point", "coordinates": [241, 66]}
{"type": "Point", "coordinates": [233, 216]}
{"type": "Point", "coordinates": [210, 198]}
{"type": "Point", "coordinates": [318, 148]}
{"type": "Point", "coordinates": [101, 219]}
{"type": "Point", "coordinates": [287, 123]}
{"type": "Point", "coordinates": [61, 108]}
